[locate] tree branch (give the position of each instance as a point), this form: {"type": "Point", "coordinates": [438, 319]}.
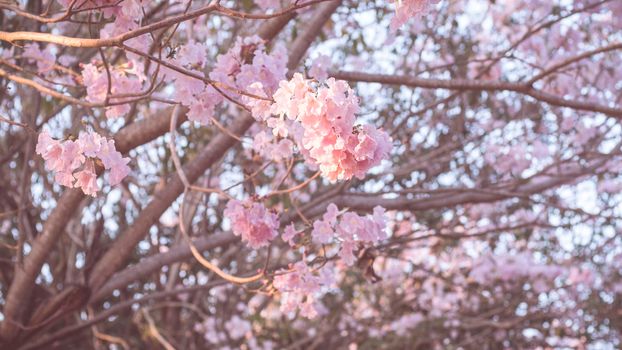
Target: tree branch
{"type": "Point", "coordinates": [477, 85]}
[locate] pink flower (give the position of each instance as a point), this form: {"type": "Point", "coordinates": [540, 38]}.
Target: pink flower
{"type": "Point", "coordinates": [248, 67]}
{"type": "Point", "coordinates": [202, 106]}
{"type": "Point", "coordinates": [64, 178]}
{"type": "Point", "coordinates": [67, 156]}
{"type": "Point", "coordinates": [324, 128]}
{"type": "Point", "coordinates": [260, 109]}
{"type": "Point", "coordinates": [188, 90]}
{"type": "Point", "coordinates": [267, 147]}
{"type": "Point", "coordinates": [72, 156]}
{"type": "Point", "coordinates": [119, 171]}
{"type": "Point", "coordinates": [257, 73]}
{"type": "Point", "coordinates": [347, 252]}
{"type": "Point", "coordinates": [124, 80]}
{"type": "Point", "coordinates": [91, 143]}
{"type": "Point", "coordinates": [289, 234]}
{"type": "Point", "coordinates": [379, 222]}
{"type": "Point", "coordinates": [282, 150]}
{"type": "Point", "coordinates": [96, 83]}
{"type": "Point", "coordinates": [300, 289]}
{"type": "Point", "coordinates": [253, 222]}
{"type": "Point", "coordinates": [261, 140]}
{"type": "Point", "coordinates": [351, 222]}
{"type": "Point", "coordinates": [322, 232]}
{"type": "Point", "coordinates": [108, 154]}
{"type": "Point", "coordinates": [47, 147]}
{"type": "Point", "coordinates": [406, 9]}
{"type": "Point", "coordinates": [351, 230]}
{"type": "Point", "coordinates": [87, 179]}
{"type": "Point", "coordinates": [288, 94]}
{"type": "Point", "coordinates": [331, 214]}
{"type": "Point", "coordinates": [309, 309]}
{"type": "Point", "coordinates": [366, 147]}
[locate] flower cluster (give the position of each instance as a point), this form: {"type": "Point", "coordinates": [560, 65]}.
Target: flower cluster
{"type": "Point", "coordinates": [65, 157]}
{"type": "Point", "coordinates": [248, 63]}
{"type": "Point", "coordinates": [300, 288]}
{"type": "Point", "coordinates": [125, 79]}
{"type": "Point", "coordinates": [321, 122]}
{"type": "Point", "coordinates": [406, 9]}
{"type": "Point", "coordinates": [350, 229]}
{"type": "Point", "coordinates": [269, 148]}
{"type": "Point", "coordinates": [245, 68]}
{"type": "Point", "coordinates": [189, 91]}
{"type": "Point", "coordinates": [252, 221]}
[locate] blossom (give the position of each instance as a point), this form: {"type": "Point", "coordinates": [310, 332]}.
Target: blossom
{"type": "Point", "coordinates": [289, 234]}
{"type": "Point", "coordinates": [283, 149]}
{"type": "Point", "coordinates": [322, 232]}
{"type": "Point", "coordinates": [119, 170]}
{"type": "Point", "coordinates": [406, 9]}
{"type": "Point", "coordinates": [132, 9]}
{"type": "Point", "coordinates": [114, 162]}
{"type": "Point", "coordinates": [347, 252]}
{"type": "Point", "coordinates": [351, 230]}
{"type": "Point", "coordinates": [331, 214]}
{"type": "Point", "coordinates": [91, 143]}
{"type": "Point", "coordinates": [247, 66]}
{"type": "Point", "coordinates": [124, 80]}
{"type": "Point", "coordinates": [260, 108]}
{"type": "Point", "coordinates": [255, 224]}
{"type": "Point", "coordinates": [202, 105]}
{"type": "Point", "coordinates": [47, 147]}
{"type": "Point", "coordinates": [246, 69]}
{"type": "Point", "coordinates": [64, 178]}
{"type": "Point", "coordinates": [190, 91]}
{"type": "Point", "coordinates": [66, 157]}
{"type": "Point", "coordinates": [87, 179]}
{"type": "Point", "coordinates": [268, 147]}
{"type": "Point", "coordinates": [323, 127]}
{"type": "Point", "coordinates": [71, 157]}
{"type": "Point", "coordinates": [300, 289]}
